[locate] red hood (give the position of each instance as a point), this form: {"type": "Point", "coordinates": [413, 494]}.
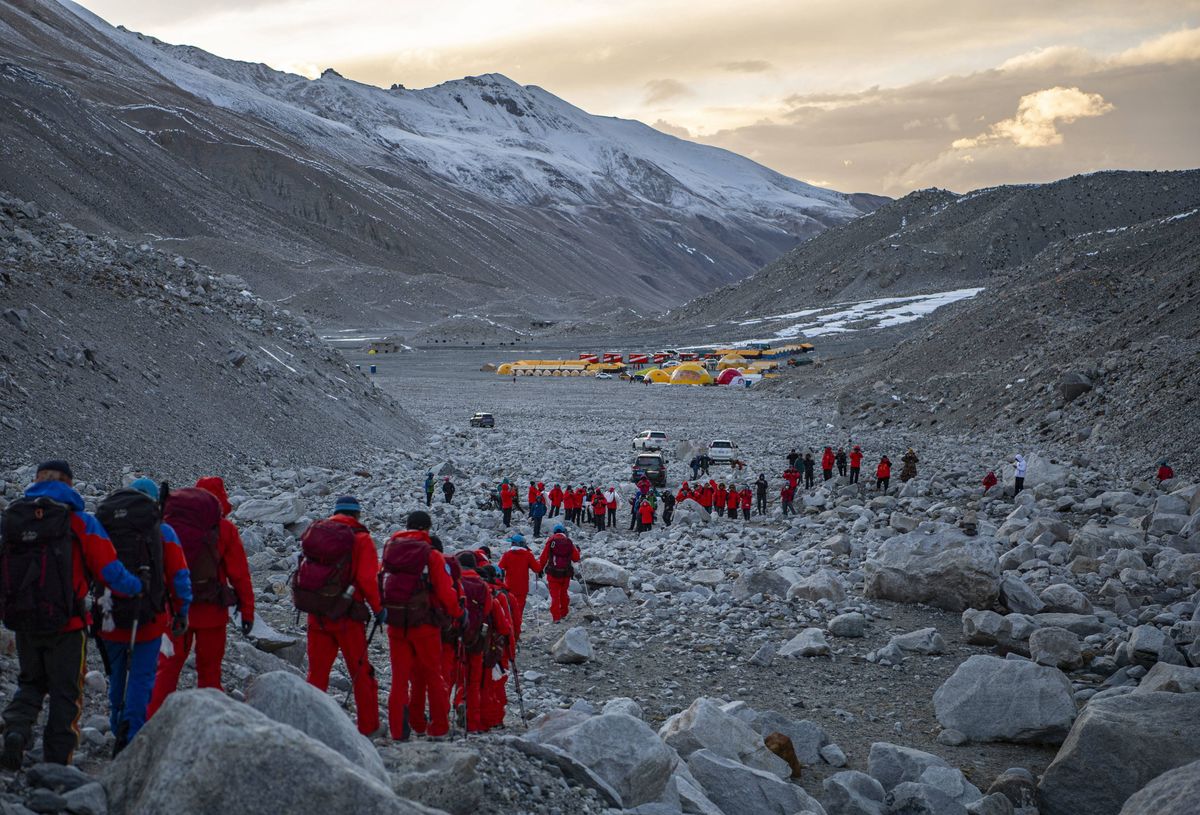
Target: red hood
{"type": "Point", "coordinates": [216, 485]}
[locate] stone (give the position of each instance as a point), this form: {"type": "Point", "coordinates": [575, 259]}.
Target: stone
{"type": "Point", "coordinates": [1016, 596]}
{"type": "Point", "coordinates": [1169, 678]}
{"type": "Point", "coordinates": [288, 699]}
{"type": "Point", "coordinates": [760, 581]}
{"type": "Point", "coordinates": [922, 641]}
{"type": "Point", "coordinates": [1056, 647]}
{"type": "Point", "coordinates": [764, 656]}
{"type": "Point", "coordinates": [903, 523]}
{"type": "Point", "coordinates": [284, 509]}
{"type": "Point", "coordinates": [571, 769]}
{"type": "Point", "coordinates": [1065, 599]}
{"type": "Point", "coordinates": [204, 752]}
{"type": "Point", "coordinates": [824, 585]}
{"type": "Point", "coordinates": [912, 798]}
{"type": "Point", "coordinates": [442, 776]}
{"type": "Point", "coordinates": [89, 799]}
{"type": "Point", "coordinates": [622, 704]}
{"type": "Point", "coordinates": [952, 738]}
{"type": "Point", "coordinates": [810, 642]}
{"type": "Point", "coordinates": [808, 738]}
{"type": "Point", "coordinates": [1073, 385]}
{"type": "Point", "coordinates": [598, 572]}
{"type": "Point", "coordinates": [1082, 624]}
{"type": "Point", "coordinates": [833, 755]}
{"type": "Point", "coordinates": [735, 787]}
{"type": "Point", "coordinates": [891, 764]}
{"type": "Point", "coordinates": [621, 750]}
{"type": "Point", "coordinates": [1117, 746]}
{"type": "Point", "coordinates": [1017, 785]}
{"type": "Point", "coordinates": [703, 725]}
{"type": "Point", "coordinates": [708, 577]}
{"type": "Point", "coordinates": [1165, 524]}
{"type": "Point", "coordinates": [849, 625]}
{"type": "Point", "coordinates": [1148, 644]}
{"type": "Point", "coordinates": [993, 699]}
{"type": "Point", "coordinates": [952, 782]}
{"type": "Point", "coordinates": [1173, 793]}
{"type": "Point", "coordinates": [45, 801]}
{"type": "Point", "coordinates": [995, 804]}
{"type": "Point", "coordinates": [573, 647]}
{"type": "Point", "coordinates": [852, 793]}
{"type": "Point", "coordinates": [58, 777]}
{"type": "Point", "coordinates": [946, 569]}
{"type": "Point", "coordinates": [1094, 539]}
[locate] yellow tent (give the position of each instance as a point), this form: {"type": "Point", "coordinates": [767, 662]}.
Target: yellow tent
{"type": "Point", "coordinates": [731, 361]}
{"type": "Point", "coordinates": [658, 376]}
{"type": "Point", "coordinates": [691, 373]}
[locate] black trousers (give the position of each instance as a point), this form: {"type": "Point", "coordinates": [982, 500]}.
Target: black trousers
{"type": "Point", "coordinates": [841, 468]}
{"type": "Point", "coordinates": [612, 517]}
{"type": "Point", "coordinates": [745, 513]}
{"type": "Point", "coordinates": [884, 482]}
{"type": "Point", "coordinates": [1018, 485]}
{"type": "Point", "coordinates": [537, 527]}
{"type": "Point", "coordinates": [51, 665]}
{"type": "Point", "coordinates": [854, 475]}
{"type": "Point", "coordinates": [507, 516]}
{"type": "Point", "coordinates": [808, 479]}
{"type": "Point", "coordinates": [762, 505]}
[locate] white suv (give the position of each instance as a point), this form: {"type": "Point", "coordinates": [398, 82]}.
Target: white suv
{"type": "Point", "coordinates": [650, 440]}
{"type": "Point", "coordinates": [722, 451]}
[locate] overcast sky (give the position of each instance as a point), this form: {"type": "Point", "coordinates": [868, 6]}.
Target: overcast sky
{"type": "Point", "coordinates": [859, 96]}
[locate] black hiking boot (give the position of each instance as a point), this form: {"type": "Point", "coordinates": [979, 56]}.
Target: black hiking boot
{"type": "Point", "coordinates": [13, 755]}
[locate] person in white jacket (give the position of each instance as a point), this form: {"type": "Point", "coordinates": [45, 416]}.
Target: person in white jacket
{"type": "Point", "coordinates": [1019, 468]}
{"type": "Point", "coordinates": [612, 496]}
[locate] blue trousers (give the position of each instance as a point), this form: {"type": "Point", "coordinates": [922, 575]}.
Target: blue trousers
{"type": "Point", "coordinates": [141, 682]}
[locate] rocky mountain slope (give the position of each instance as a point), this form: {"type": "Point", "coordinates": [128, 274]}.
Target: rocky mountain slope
{"type": "Point", "coordinates": [934, 240]}
{"type": "Point", "coordinates": [361, 203]}
{"type": "Point", "coordinates": [115, 354]}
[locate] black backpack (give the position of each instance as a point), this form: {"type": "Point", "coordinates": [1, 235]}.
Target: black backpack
{"type": "Point", "coordinates": [37, 587]}
{"type": "Point", "coordinates": [133, 521]}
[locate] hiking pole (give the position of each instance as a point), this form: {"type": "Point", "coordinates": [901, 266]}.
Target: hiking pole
{"type": "Point", "coordinates": [587, 595]}
{"type": "Point", "coordinates": [520, 696]}
{"type": "Point", "coordinates": [122, 719]}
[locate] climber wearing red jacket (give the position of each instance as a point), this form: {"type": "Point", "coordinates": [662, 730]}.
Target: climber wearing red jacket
{"type": "Point", "coordinates": [883, 473]}
{"type": "Point", "coordinates": [516, 564]}
{"type": "Point", "coordinates": [856, 458]}
{"type": "Point", "coordinates": [208, 616]}
{"type": "Point", "coordinates": [827, 460]}
{"type": "Point", "coordinates": [557, 562]}
{"type": "Point", "coordinates": [556, 500]}
{"type": "Point", "coordinates": [498, 651]}
{"type": "Point", "coordinates": [732, 502]}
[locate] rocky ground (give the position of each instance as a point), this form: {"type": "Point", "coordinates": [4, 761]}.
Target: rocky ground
{"type": "Point", "coordinates": [887, 642]}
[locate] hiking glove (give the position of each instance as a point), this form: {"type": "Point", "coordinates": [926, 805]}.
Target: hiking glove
{"type": "Point", "coordinates": [381, 616]}
{"type": "Point", "coordinates": [247, 626]}
{"type": "Point", "coordinates": [179, 625]}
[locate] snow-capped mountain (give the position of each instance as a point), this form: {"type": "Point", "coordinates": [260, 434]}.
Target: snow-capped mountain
{"type": "Point", "coordinates": [474, 192]}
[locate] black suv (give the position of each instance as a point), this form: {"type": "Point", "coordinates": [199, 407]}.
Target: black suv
{"type": "Point", "coordinates": [483, 420]}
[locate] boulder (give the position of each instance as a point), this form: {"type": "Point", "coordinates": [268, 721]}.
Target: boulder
{"type": "Point", "coordinates": [1148, 645]}
{"type": "Point", "coordinates": [1176, 792]}
{"type": "Point", "coordinates": [573, 647]}
{"type": "Point", "coordinates": [621, 750]}
{"type": "Point", "coordinates": [891, 764]}
{"type": "Point", "coordinates": [994, 804]}
{"type": "Point", "coordinates": [852, 793]}
{"type": "Point", "coordinates": [911, 798]}
{"type": "Point", "coordinates": [1065, 599]}
{"type": "Point", "coordinates": [598, 572]}
{"type": "Point", "coordinates": [443, 776]}
{"type": "Point", "coordinates": [944, 568]}
{"type": "Point", "coordinates": [760, 581]}
{"type": "Point", "coordinates": [1056, 647]}
{"type": "Point", "coordinates": [287, 698]}
{"type": "Point", "coordinates": [993, 699]}
{"type": "Point", "coordinates": [1094, 539]}
{"type": "Point", "coordinates": [1016, 596]}
{"type": "Point", "coordinates": [735, 787]}
{"type": "Point", "coordinates": [824, 585]}
{"type": "Point", "coordinates": [922, 641]}
{"type": "Point", "coordinates": [952, 782]}
{"type": "Point", "coordinates": [808, 643]}
{"type": "Point", "coordinates": [1169, 678]}
{"type": "Point", "coordinates": [1117, 746]}
{"type": "Point", "coordinates": [849, 625]}
{"type": "Point", "coordinates": [1073, 385]}
{"type": "Point", "coordinates": [623, 704]}
{"type": "Point", "coordinates": [204, 752]}
{"type": "Point", "coordinates": [284, 509]}
{"type": "Point", "coordinates": [705, 726]}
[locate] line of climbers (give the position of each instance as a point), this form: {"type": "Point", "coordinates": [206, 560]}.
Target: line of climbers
{"type": "Point", "coordinates": [453, 622]}
{"type": "Point", "coordinates": [150, 575]}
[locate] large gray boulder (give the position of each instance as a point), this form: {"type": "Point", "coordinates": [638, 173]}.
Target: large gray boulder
{"type": "Point", "coordinates": [287, 698]}
{"type": "Point", "coordinates": [705, 726]}
{"type": "Point", "coordinates": [944, 568]}
{"type": "Point", "coordinates": [1016, 596]}
{"type": "Point", "coordinates": [284, 509]}
{"type": "Point", "coordinates": [599, 572]}
{"type": "Point", "coordinates": [892, 764]}
{"type": "Point", "coordinates": [810, 642]}
{"type": "Point", "coordinates": [824, 585]}
{"type": "Point", "coordinates": [1094, 539]}
{"type": "Point", "coordinates": [852, 793]}
{"type": "Point", "coordinates": [1056, 647]}
{"type": "Point", "coordinates": [993, 699]}
{"type": "Point", "coordinates": [760, 581]}
{"type": "Point", "coordinates": [1170, 679]}
{"type": "Point", "coordinates": [438, 775]}
{"type": "Point", "coordinates": [621, 750]}
{"type": "Point", "coordinates": [1117, 746]}
{"type": "Point", "coordinates": [573, 647]}
{"type": "Point", "coordinates": [1066, 599]}
{"type": "Point", "coordinates": [912, 798]}
{"type": "Point", "coordinates": [1176, 792]}
{"type": "Point", "coordinates": [205, 754]}
{"type": "Point", "coordinates": [735, 787]}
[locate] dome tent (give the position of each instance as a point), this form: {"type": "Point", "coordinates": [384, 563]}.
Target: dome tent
{"type": "Point", "coordinates": [731, 361]}
{"type": "Point", "coordinates": [658, 376]}
{"type": "Point", "coordinates": [691, 373]}
{"type": "Point", "coordinates": [727, 376]}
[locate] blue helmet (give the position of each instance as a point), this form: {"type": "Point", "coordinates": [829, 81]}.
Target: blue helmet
{"type": "Point", "coordinates": [559, 528]}
{"type": "Point", "coordinates": [516, 538]}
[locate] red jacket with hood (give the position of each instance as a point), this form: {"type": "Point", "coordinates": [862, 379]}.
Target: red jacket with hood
{"type": "Point", "coordinates": [232, 567]}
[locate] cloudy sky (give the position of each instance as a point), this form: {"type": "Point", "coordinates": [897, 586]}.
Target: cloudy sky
{"type": "Point", "coordinates": [856, 95]}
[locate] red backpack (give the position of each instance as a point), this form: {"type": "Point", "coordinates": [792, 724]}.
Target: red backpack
{"type": "Point", "coordinates": [475, 591]}
{"type": "Point", "coordinates": [195, 515]}
{"type": "Point", "coordinates": [560, 562]}
{"type": "Point", "coordinates": [404, 580]}
{"type": "Point", "coordinates": [322, 583]}
{"type": "Point", "coordinates": [448, 623]}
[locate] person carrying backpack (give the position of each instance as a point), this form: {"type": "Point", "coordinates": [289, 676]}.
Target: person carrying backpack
{"type": "Point", "coordinates": [556, 500]}
{"type": "Point", "coordinates": [477, 607]}
{"type": "Point", "coordinates": [1165, 472]}
{"type": "Point", "coordinates": [809, 465]}
{"type": "Point", "coordinates": [668, 502]}
{"type": "Point", "coordinates": [130, 630]}
{"type": "Point", "coordinates": [507, 495]}
{"type": "Point", "coordinates": [732, 501]}
{"type": "Point", "coordinates": [1020, 467]}
{"type": "Point", "coordinates": [452, 674]}
{"type": "Point", "coordinates": [787, 494]}
{"type": "Point", "coordinates": [883, 473]}
{"type": "Point", "coordinates": [827, 460]}
{"type": "Point", "coordinates": [220, 578]}
{"type": "Point", "coordinates": [499, 649]}
{"type": "Point", "coordinates": [760, 493]}
{"type": "Point", "coordinates": [556, 562]}
{"type": "Point", "coordinates": [516, 564]}
{"type": "Point", "coordinates": [417, 596]}
{"type": "Point", "coordinates": [336, 585]}
{"type": "Point", "coordinates": [429, 487]}
{"type": "Point", "coordinates": [448, 489]}
{"type": "Point", "coordinates": [645, 516]}
{"type": "Point", "coordinates": [719, 499]}
{"type": "Point", "coordinates": [537, 511]}
{"type": "Point", "coordinates": [747, 500]}
{"type": "Point", "coordinates": [50, 549]}
{"type": "Point", "coordinates": [856, 457]}
{"type": "Point", "coordinates": [840, 458]}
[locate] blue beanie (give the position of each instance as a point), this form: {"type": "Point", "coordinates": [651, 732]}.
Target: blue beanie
{"type": "Point", "coordinates": [347, 503]}
{"type": "Point", "coordinates": [145, 486]}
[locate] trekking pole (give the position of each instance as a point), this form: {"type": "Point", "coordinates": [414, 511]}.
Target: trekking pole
{"type": "Point", "coordinates": [123, 721]}
{"type": "Point", "coordinates": [587, 595]}
{"type": "Point", "coordinates": [520, 696]}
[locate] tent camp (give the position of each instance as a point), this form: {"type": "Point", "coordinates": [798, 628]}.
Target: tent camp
{"type": "Point", "coordinates": [731, 361]}
{"type": "Point", "coordinates": [658, 376]}
{"type": "Point", "coordinates": [691, 373]}
{"type": "Point", "coordinates": [727, 376]}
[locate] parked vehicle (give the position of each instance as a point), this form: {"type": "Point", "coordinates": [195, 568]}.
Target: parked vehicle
{"type": "Point", "coordinates": [604, 375]}
{"type": "Point", "coordinates": [650, 440]}
{"type": "Point", "coordinates": [722, 451]}
{"type": "Point", "coordinates": [483, 420]}
{"type": "Point", "coordinates": [652, 466]}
